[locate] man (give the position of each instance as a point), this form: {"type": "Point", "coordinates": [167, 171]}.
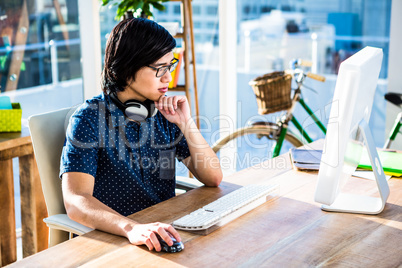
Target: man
{"type": "Point", "coordinates": [120, 151]}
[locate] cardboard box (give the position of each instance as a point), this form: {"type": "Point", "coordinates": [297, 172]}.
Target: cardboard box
{"type": "Point", "coordinates": [10, 120]}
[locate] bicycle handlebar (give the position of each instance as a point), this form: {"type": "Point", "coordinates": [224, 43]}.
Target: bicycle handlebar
{"type": "Point", "coordinates": [295, 63]}
{"type": "Point", "coordinates": [299, 62]}
{"type": "Point", "coordinates": [316, 77]}
{"type": "Point", "coordinates": [299, 75]}
{"type": "Point", "coordinates": [305, 63]}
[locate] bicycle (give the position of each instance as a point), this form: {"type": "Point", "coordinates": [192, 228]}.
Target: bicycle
{"type": "Point", "coordinates": [396, 99]}
{"type": "Point", "coordinates": [273, 93]}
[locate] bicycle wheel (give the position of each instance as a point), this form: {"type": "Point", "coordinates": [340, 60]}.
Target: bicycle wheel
{"type": "Point", "coordinates": [254, 137]}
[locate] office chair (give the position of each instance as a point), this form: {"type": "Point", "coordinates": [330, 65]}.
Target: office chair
{"type": "Point", "coordinates": [48, 135]}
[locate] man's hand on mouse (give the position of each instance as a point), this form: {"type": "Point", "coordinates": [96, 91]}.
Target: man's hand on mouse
{"type": "Point", "coordinates": [145, 234]}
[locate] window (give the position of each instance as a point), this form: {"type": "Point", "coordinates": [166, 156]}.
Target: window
{"type": "Point", "coordinates": [197, 25]}
{"type": "Point", "coordinates": [176, 9]}
{"type": "Point", "coordinates": [208, 37]}
{"type": "Point", "coordinates": [196, 10]}
{"type": "Point", "coordinates": [246, 10]}
{"type": "Point", "coordinates": [274, 34]}
{"type": "Point", "coordinates": [50, 57]}
{"type": "Point", "coordinates": [198, 38]}
{"type": "Point", "coordinates": [210, 24]}
{"type": "Point", "coordinates": [40, 55]}
{"type": "Point", "coordinates": [265, 9]}
{"type": "Point", "coordinates": [166, 9]}
{"type": "Point", "coordinates": [212, 10]}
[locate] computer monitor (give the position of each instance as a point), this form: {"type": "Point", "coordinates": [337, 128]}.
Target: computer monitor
{"type": "Point", "coordinates": [348, 132]}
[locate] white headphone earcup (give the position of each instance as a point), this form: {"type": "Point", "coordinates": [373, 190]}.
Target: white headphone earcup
{"type": "Point", "coordinates": [151, 106]}
{"type": "Point", "coordinates": [155, 111]}
{"type": "Point", "coordinates": [136, 111]}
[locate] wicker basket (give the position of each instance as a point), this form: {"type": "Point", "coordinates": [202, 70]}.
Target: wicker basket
{"type": "Point", "coordinates": [272, 92]}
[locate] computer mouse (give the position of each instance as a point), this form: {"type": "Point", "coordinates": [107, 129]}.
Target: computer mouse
{"type": "Point", "coordinates": [176, 247]}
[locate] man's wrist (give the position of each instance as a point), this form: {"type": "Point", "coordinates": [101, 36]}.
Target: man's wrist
{"type": "Point", "coordinates": [187, 124]}
{"type": "Point", "coordinates": [128, 227]}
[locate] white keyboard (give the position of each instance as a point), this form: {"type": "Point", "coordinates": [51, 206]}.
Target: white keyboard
{"type": "Point", "coordinates": [227, 208]}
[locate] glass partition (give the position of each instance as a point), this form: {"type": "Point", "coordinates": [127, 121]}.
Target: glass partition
{"type": "Point", "coordinates": [272, 33]}
{"type": "Point", "coordinates": [39, 60]}
{"type": "Point", "coordinates": [40, 54]}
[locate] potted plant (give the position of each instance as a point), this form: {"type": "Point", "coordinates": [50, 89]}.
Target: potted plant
{"type": "Point", "coordinates": [135, 8]}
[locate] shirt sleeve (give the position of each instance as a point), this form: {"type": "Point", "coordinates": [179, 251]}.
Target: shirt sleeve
{"type": "Point", "coordinates": [182, 150]}
{"type": "Point", "coordinates": [80, 152]}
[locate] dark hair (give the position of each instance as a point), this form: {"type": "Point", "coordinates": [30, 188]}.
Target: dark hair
{"type": "Point", "coordinates": [133, 44]}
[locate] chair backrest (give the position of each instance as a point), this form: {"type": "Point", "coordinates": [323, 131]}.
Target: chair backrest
{"type": "Point", "coordinates": [48, 135]}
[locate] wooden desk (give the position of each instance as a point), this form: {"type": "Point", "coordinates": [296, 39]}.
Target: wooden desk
{"type": "Point", "coordinates": [33, 207]}
{"type": "Point", "coordinates": [290, 231]}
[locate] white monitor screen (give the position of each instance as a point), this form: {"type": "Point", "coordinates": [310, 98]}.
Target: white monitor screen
{"type": "Point", "coordinates": [352, 103]}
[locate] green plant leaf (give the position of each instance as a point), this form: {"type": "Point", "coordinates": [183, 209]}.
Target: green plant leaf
{"type": "Point", "coordinates": [158, 6]}
{"type": "Point", "coordinates": [146, 9]}
{"type": "Point", "coordinates": [135, 5]}
{"type": "Point", "coordinates": [122, 8]}
{"type": "Point", "coordinates": [105, 2]}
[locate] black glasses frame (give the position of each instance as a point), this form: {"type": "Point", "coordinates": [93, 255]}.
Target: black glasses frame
{"type": "Point", "coordinates": [160, 71]}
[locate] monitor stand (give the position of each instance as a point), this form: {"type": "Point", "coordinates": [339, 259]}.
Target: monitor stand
{"type": "Point", "coordinates": [351, 203]}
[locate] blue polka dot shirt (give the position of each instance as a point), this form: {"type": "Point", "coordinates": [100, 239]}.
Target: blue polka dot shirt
{"type": "Point", "coordinates": [133, 164]}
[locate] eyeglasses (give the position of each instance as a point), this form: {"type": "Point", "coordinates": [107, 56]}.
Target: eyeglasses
{"type": "Point", "coordinates": [160, 71]}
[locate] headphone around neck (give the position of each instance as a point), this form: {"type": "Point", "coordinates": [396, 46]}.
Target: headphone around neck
{"type": "Point", "coordinates": [134, 109]}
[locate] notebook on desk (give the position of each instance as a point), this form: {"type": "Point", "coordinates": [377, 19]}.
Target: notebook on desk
{"type": "Point", "coordinates": [303, 159]}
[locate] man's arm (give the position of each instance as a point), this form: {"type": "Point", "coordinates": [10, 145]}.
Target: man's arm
{"type": "Point", "coordinates": [203, 162]}
{"type": "Point", "coordinates": [82, 207]}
